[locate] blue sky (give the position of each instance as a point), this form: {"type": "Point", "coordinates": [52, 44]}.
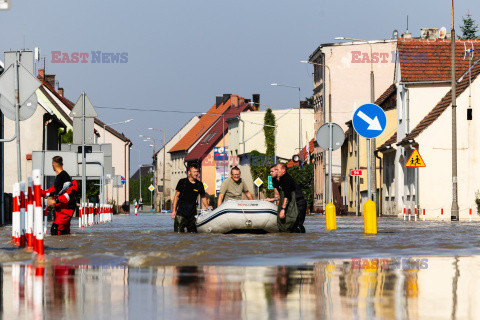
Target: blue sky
{"type": "Point", "coordinates": [181, 54]}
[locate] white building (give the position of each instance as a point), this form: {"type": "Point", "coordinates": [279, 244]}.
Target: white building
{"type": "Point", "coordinates": [424, 122]}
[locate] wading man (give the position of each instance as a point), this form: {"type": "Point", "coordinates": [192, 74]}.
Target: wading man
{"type": "Point", "coordinates": [62, 198]}
{"type": "Point", "coordinates": [233, 188]}
{"type": "Point", "coordinates": [275, 183]}
{"type": "Point", "coordinates": [292, 205]}
{"type": "Point", "coordinates": [185, 201]}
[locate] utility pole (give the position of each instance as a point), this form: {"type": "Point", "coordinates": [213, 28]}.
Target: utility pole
{"type": "Point", "coordinates": [454, 211]}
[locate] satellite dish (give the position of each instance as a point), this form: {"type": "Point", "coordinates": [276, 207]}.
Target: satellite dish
{"type": "Point", "coordinates": [296, 158]}
{"type": "Point", "coordinates": [442, 33]}
{"type": "Point", "coordinates": [26, 110]}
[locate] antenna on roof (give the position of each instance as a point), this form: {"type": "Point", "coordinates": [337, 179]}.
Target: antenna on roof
{"type": "Point", "coordinates": [407, 23]}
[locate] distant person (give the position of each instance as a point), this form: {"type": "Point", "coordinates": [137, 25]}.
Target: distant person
{"type": "Point", "coordinates": [290, 192]}
{"type": "Point", "coordinates": [233, 187]}
{"type": "Point", "coordinates": [185, 201]}
{"type": "Point", "coordinates": [62, 198]}
{"type": "Point", "coordinates": [275, 183]}
{"type": "Point", "coordinates": [140, 204]}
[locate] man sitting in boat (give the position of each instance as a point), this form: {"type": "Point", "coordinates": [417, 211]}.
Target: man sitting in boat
{"type": "Point", "coordinates": [186, 195]}
{"type": "Point", "coordinates": [233, 187]}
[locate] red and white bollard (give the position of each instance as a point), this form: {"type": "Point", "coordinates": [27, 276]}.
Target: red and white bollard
{"type": "Point", "coordinates": [415, 212]}
{"type": "Point", "coordinates": [136, 209]}
{"type": "Point", "coordinates": [22, 214]}
{"type": "Point", "coordinates": [16, 214]}
{"type": "Point", "coordinates": [441, 213]}
{"type": "Point", "coordinates": [80, 212]}
{"type": "Point", "coordinates": [470, 213]}
{"type": "Point", "coordinates": [423, 214]}
{"type": "Point", "coordinates": [409, 213]}
{"type": "Point", "coordinates": [29, 219]}
{"type": "Point", "coordinates": [38, 213]}
{"type": "Point", "coordinates": [404, 213]}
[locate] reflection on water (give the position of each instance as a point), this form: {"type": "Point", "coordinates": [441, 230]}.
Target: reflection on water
{"type": "Point", "coordinates": [337, 289]}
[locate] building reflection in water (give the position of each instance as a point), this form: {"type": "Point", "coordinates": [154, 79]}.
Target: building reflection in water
{"type": "Point", "coordinates": [446, 288]}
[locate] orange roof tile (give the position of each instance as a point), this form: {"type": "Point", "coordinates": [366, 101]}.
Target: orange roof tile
{"type": "Point", "coordinates": [430, 60]}
{"type": "Point", "coordinates": [197, 131]}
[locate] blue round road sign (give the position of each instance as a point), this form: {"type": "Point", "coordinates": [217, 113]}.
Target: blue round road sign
{"type": "Point", "coordinates": [369, 120]}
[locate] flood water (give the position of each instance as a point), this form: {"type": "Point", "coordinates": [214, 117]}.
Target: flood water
{"type": "Point", "coordinates": [137, 268]}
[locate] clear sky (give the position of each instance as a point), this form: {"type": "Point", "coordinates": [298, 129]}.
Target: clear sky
{"type": "Point", "coordinates": [181, 54]}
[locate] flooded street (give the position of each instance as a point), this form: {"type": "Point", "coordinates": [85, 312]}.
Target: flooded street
{"type": "Point", "coordinates": [138, 266]}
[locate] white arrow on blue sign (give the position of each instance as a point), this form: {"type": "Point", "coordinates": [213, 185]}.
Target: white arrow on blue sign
{"type": "Point", "coordinates": [369, 120]}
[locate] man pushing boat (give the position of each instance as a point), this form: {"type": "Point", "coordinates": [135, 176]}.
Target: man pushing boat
{"type": "Point", "coordinates": [185, 201]}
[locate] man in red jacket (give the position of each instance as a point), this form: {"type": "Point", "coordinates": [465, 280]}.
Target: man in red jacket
{"type": "Point", "coordinates": [62, 195]}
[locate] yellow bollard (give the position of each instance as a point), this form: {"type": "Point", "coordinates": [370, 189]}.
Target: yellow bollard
{"type": "Point", "coordinates": [370, 217]}
{"type": "Point", "coordinates": [331, 216]}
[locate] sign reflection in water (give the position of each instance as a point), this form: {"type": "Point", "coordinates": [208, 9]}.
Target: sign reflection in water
{"type": "Point", "coordinates": [327, 289]}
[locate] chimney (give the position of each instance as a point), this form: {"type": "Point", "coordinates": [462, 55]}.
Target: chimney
{"type": "Point", "coordinates": [226, 96]}
{"type": "Point", "coordinates": [50, 79]}
{"type": "Point", "coordinates": [60, 91]}
{"type": "Point", "coordinates": [303, 104]}
{"type": "Point", "coordinates": [256, 101]}
{"type": "Point", "coordinates": [41, 74]}
{"type": "Point", "coordinates": [406, 35]}
{"type": "Point", "coordinates": [234, 101]}
{"type": "Point", "coordinates": [429, 33]}
{"type": "Point", "coordinates": [218, 101]}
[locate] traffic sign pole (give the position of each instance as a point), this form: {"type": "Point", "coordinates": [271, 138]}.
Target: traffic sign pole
{"type": "Point", "coordinates": [17, 122]}
{"type": "Point", "coordinates": [330, 196]}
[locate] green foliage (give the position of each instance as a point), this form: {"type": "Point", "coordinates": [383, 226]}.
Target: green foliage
{"type": "Point", "coordinates": [310, 102]}
{"type": "Point", "coordinates": [67, 137]}
{"type": "Point", "coordinates": [304, 177]}
{"type": "Point", "coordinates": [93, 190]}
{"type": "Point", "coordinates": [469, 28]}
{"type": "Point", "coordinates": [269, 132]}
{"type": "Point", "coordinates": [135, 188]}
{"type": "Point", "coordinates": [477, 201]}
{"type": "Point", "coordinates": [260, 167]}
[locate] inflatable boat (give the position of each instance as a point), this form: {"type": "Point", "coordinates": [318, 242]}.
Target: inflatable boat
{"type": "Point", "coordinates": [239, 216]}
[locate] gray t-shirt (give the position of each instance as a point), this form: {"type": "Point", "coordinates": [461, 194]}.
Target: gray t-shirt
{"type": "Point", "coordinates": [233, 190]}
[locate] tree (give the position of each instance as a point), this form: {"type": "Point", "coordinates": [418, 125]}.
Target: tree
{"type": "Point", "coordinates": [310, 102]}
{"type": "Point", "coordinates": [469, 28]}
{"type": "Point", "coordinates": [67, 137]}
{"type": "Point", "coordinates": [260, 163]}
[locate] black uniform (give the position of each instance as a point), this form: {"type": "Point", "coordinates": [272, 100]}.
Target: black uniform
{"type": "Point", "coordinates": [187, 205]}
{"type": "Point", "coordinates": [288, 185]}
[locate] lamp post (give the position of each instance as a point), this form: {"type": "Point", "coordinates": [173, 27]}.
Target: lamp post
{"type": "Point", "coordinates": [164, 164]}
{"type": "Point", "coordinates": [329, 120]}
{"type": "Point", "coordinates": [371, 143]}
{"type": "Point", "coordinates": [153, 140]}
{"type": "Point", "coordinates": [299, 114]}
{"type": "Point", "coordinates": [454, 210]}
{"type": "Point", "coordinates": [112, 124]}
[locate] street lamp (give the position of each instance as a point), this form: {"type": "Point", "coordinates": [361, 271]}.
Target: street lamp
{"type": "Point", "coordinates": [454, 211]}
{"type": "Point", "coordinates": [112, 124]}
{"type": "Point", "coordinates": [164, 164]}
{"type": "Point", "coordinates": [299, 114]}
{"type": "Point", "coordinates": [330, 120]}
{"type": "Point", "coordinates": [372, 180]}
{"type": "Point", "coordinates": [153, 140]}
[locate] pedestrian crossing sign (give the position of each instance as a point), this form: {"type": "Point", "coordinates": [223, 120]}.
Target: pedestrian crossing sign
{"type": "Point", "coordinates": [415, 160]}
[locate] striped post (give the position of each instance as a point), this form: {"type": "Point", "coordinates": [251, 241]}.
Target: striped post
{"type": "Point", "coordinates": [423, 214]}
{"type": "Point", "coordinates": [404, 213]}
{"type": "Point", "coordinates": [29, 219]}
{"type": "Point", "coordinates": [409, 213]}
{"type": "Point", "coordinates": [16, 214]}
{"type": "Point", "coordinates": [38, 219]}
{"type": "Point", "coordinates": [441, 213]}
{"type": "Point", "coordinates": [22, 214]}
{"type": "Point", "coordinates": [470, 213]}
{"type": "Point", "coordinates": [415, 212]}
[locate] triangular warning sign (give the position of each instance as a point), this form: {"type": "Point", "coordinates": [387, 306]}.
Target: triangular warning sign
{"type": "Point", "coordinates": [415, 160]}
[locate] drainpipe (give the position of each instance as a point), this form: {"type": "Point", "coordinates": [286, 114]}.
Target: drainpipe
{"type": "Point", "coordinates": [324, 119]}
{"type": "Point", "coordinates": [127, 148]}
{"type": "Point", "coordinates": [380, 200]}
{"type": "Point", "coordinates": [407, 98]}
